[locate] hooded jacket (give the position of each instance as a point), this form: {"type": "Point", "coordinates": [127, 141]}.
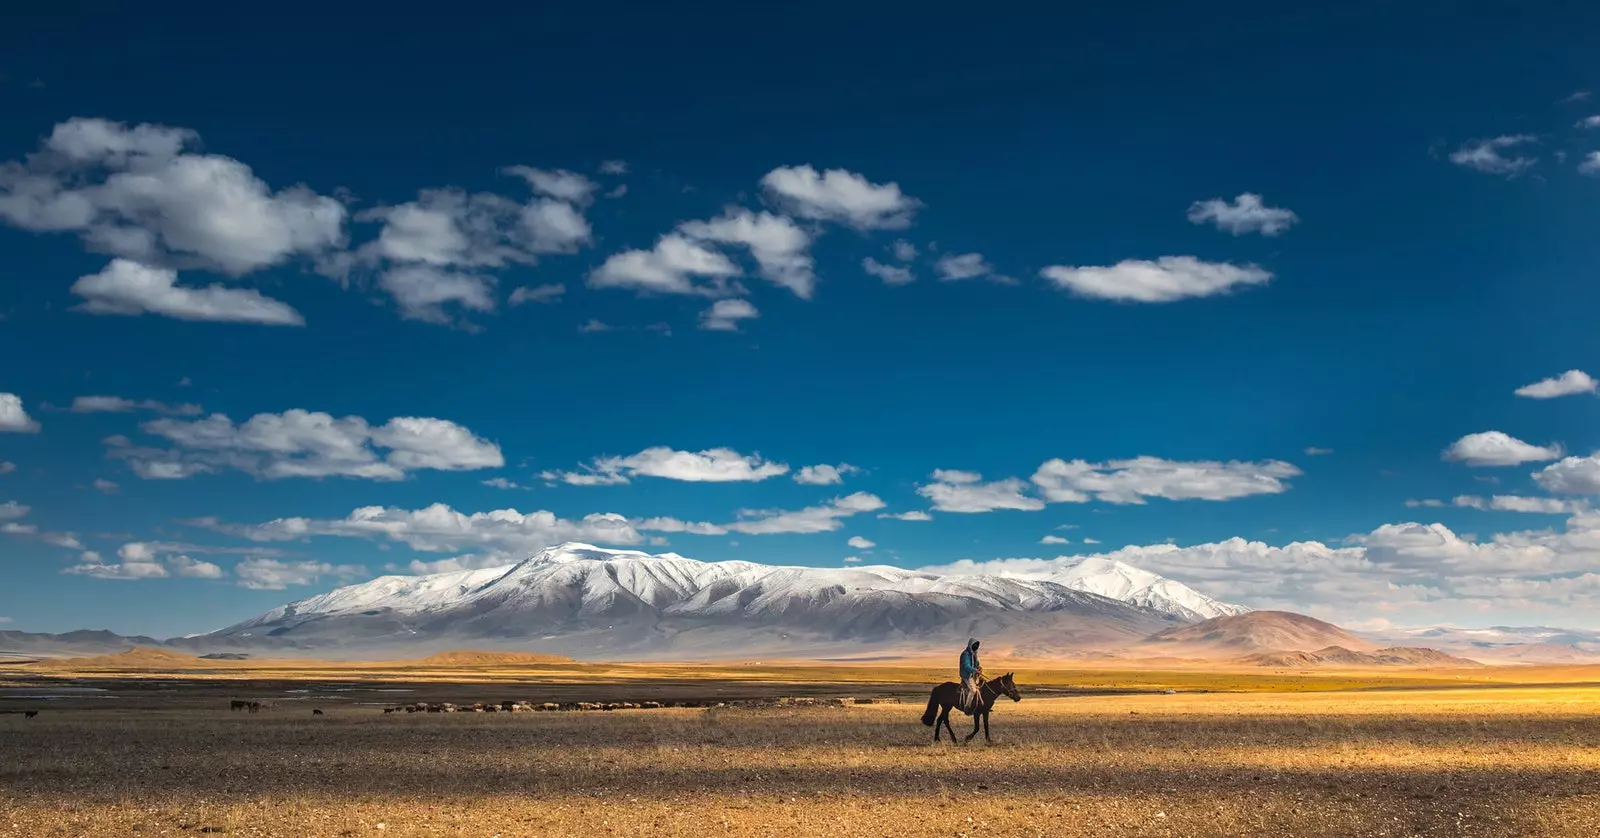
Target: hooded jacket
{"type": "Point", "coordinates": [969, 660]}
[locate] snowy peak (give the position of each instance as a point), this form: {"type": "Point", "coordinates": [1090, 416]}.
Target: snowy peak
{"type": "Point", "coordinates": [1136, 586]}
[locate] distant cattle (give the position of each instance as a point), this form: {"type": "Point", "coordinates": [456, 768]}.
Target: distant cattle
{"type": "Point", "coordinates": [316, 711]}
{"type": "Point", "coordinates": [30, 714]}
{"type": "Point", "coordinates": [236, 705]}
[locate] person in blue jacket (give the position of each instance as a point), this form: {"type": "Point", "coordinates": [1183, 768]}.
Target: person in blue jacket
{"type": "Point", "coordinates": [971, 675]}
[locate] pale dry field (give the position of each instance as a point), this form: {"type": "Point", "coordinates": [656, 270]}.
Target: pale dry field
{"type": "Point", "coordinates": [1499, 761]}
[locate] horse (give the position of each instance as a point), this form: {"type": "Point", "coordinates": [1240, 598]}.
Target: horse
{"type": "Point", "coordinates": [945, 697]}
{"type": "Point", "coordinates": [236, 705]}
{"type": "Point", "coordinates": [316, 711]}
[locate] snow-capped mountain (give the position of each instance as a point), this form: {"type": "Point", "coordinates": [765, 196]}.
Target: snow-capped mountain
{"type": "Point", "coordinates": [1120, 581]}
{"type": "Point", "coordinates": [593, 602]}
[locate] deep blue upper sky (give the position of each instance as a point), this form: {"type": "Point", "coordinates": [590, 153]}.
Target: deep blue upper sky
{"type": "Point", "coordinates": [1410, 299]}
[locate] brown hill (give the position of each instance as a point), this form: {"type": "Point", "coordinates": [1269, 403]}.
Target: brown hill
{"type": "Point", "coordinates": [135, 658]}
{"type": "Point", "coordinates": [1256, 631]}
{"type": "Point", "coordinates": [468, 657]}
{"type": "Point", "coordinates": [1340, 656]}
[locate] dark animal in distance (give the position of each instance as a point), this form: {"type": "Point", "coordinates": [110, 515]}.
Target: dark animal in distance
{"type": "Point", "coordinates": [249, 706]}
{"type": "Point", "coordinates": [316, 711]}
{"type": "Point", "coordinates": [26, 714]}
{"type": "Point", "coordinates": [945, 696]}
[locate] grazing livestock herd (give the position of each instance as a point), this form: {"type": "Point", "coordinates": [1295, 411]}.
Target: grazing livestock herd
{"type": "Point", "coordinates": [26, 714]}
{"type": "Point", "coordinates": [253, 706]}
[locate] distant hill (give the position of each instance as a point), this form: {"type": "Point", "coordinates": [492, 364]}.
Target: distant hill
{"type": "Point", "coordinates": [136, 658]}
{"type": "Point", "coordinates": [1334, 656]}
{"type": "Point", "coordinates": [1255, 631]}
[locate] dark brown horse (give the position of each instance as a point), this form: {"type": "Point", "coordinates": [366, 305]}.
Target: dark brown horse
{"type": "Point", "coordinates": [945, 697]}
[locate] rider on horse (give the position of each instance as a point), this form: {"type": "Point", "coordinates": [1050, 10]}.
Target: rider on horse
{"type": "Point", "coordinates": [971, 675]}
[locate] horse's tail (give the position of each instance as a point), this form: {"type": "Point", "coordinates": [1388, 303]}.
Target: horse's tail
{"type": "Point", "coordinates": [932, 713]}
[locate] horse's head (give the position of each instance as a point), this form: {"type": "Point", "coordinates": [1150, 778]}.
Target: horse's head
{"type": "Point", "coordinates": [1008, 686]}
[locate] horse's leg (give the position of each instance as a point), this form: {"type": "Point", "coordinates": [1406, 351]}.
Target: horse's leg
{"type": "Point", "coordinates": [977, 720]}
{"type": "Point", "coordinates": [946, 720]}
{"type": "Point", "coordinates": [943, 711]}
{"type": "Point", "coordinates": [986, 736]}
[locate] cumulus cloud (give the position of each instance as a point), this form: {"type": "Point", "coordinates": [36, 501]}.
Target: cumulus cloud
{"type": "Point", "coordinates": [671, 267]}
{"type": "Point", "coordinates": [1054, 539]}
{"type": "Point", "coordinates": [550, 293]}
{"type": "Point", "coordinates": [1514, 503]}
{"type": "Point", "coordinates": [559, 183]}
{"type": "Point", "coordinates": [1589, 122]}
{"type": "Point", "coordinates": [724, 315]}
{"type": "Point", "coordinates": [613, 167]}
{"type": "Point", "coordinates": [812, 519]}
{"type": "Point", "coordinates": [904, 251]}
{"type": "Point", "coordinates": [1247, 214]}
{"type": "Point", "coordinates": [840, 196]}
{"type": "Point", "coordinates": [890, 274]}
{"type": "Point", "coordinates": [128, 288]}
{"type": "Point", "coordinates": [6, 466]}
{"type": "Point", "coordinates": [187, 568]}
{"type": "Point", "coordinates": [140, 560]}
{"type": "Point", "coordinates": [1314, 451]}
{"type": "Point", "coordinates": [1590, 164]}
{"type": "Point", "coordinates": [713, 465]}
{"type": "Point", "coordinates": [860, 543]}
{"type": "Point", "coordinates": [275, 575]}
{"type": "Point", "coordinates": [781, 249]}
{"type": "Point", "coordinates": [964, 491]}
{"type": "Point", "coordinates": [913, 515]}
{"type": "Point", "coordinates": [852, 560]}
{"type": "Point", "coordinates": [1571, 476]}
{"type": "Point", "coordinates": [13, 418]}
{"type": "Point", "coordinates": [1165, 280]}
{"type": "Point", "coordinates": [824, 475]}
{"type": "Point", "coordinates": [422, 291]}
{"type": "Point", "coordinates": [117, 404]}
{"type": "Point", "coordinates": [440, 529]}
{"type": "Point", "coordinates": [1569, 383]}
{"type": "Point", "coordinates": [11, 510]}
{"type": "Point", "coordinates": [958, 266]}
{"type": "Point", "coordinates": [1131, 481]}
{"type": "Point", "coordinates": [141, 193]}
{"type": "Point", "coordinates": [502, 483]}
{"type": "Point", "coordinates": [106, 486]}
{"type": "Point", "coordinates": [1493, 448]}
{"type": "Point", "coordinates": [1489, 156]}
{"type": "Point", "coordinates": [300, 443]}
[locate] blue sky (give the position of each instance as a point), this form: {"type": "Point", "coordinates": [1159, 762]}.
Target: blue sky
{"type": "Point", "coordinates": [1423, 248]}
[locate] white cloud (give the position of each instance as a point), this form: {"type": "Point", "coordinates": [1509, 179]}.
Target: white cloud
{"type": "Point", "coordinates": [451, 228]}
{"type": "Point", "coordinates": [1091, 541]}
{"type": "Point", "coordinates": [300, 443]}
{"type": "Point", "coordinates": [824, 475]}
{"type": "Point", "coordinates": [274, 575]}
{"type": "Point", "coordinates": [781, 249]}
{"type": "Point", "coordinates": [1314, 451]}
{"type": "Point", "coordinates": [904, 251]}
{"type": "Point", "coordinates": [959, 266]}
{"type": "Point", "coordinates": [120, 570]}
{"type": "Point", "coordinates": [1568, 383]}
{"type": "Point", "coordinates": [1589, 122]}
{"type": "Point", "coordinates": [613, 167]}
{"type": "Point", "coordinates": [1590, 164]}
{"type": "Point", "coordinates": [1579, 96]}
{"type": "Point", "coordinates": [724, 315]}
{"type": "Point", "coordinates": [550, 293]}
{"type": "Point", "coordinates": [1162, 281]}
{"type": "Point", "coordinates": [103, 485]}
{"type": "Point", "coordinates": [1493, 448]}
{"type": "Point", "coordinates": [913, 515]}
{"type": "Point", "coordinates": [1429, 503]}
{"type": "Point", "coordinates": [1485, 155]}
{"type": "Point", "coordinates": [439, 529]}
{"type": "Point", "coordinates": [469, 561]}
{"type": "Point", "coordinates": [713, 465]}
{"type": "Point", "coordinates": [1571, 476]}
{"type": "Point", "coordinates": [422, 291]}
{"type": "Point", "coordinates": [890, 274]}
{"type": "Point", "coordinates": [852, 560]}
{"type": "Point", "coordinates": [117, 404]}
{"type": "Point", "coordinates": [671, 267]}
{"type": "Point", "coordinates": [841, 196]}
{"type": "Point", "coordinates": [860, 543]}
{"type": "Point", "coordinates": [187, 568]}
{"type": "Point", "coordinates": [130, 289]}
{"type": "Point", "coordinates": [595, 326]}
{"type": "Point", "coordinates": [11, 510]}
{"type": "Point", "coordinates": [14, 528]}
{"type": "Point", "coordinates": [1247, 214]}
{"type": "Point", "coordinates": [964, 491]}
{"type": "Point", "coordinates": [1518, 503]}
{"type": "Point", "coordinates": [61, 539]}
{"type": "Point", "coordinates": [502, 483]}
{"type": "Point", "coordinates": [136, 193]}
{"type": "Point", "coordinates": [559, 183]}
{"type": "Point", "coordinates": [675, 525]}
{"type": "Point", "coordinates": [13, 418]}
{"type": "Point", "coordinates": [1131, 481]}
{"type": "Point", "coordinates": [1054, 539]}
{"type": "Point", "coordinates": [6, 466]}
{"type": "Point", "coordinates": [812, 519]}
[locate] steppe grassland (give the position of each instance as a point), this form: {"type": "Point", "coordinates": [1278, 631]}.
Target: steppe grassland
{"type": "Point", "coordinates": [1496, 761]}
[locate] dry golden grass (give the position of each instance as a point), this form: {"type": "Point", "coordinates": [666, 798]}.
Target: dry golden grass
{"type": "Point", "coordinates": [1495, 761]}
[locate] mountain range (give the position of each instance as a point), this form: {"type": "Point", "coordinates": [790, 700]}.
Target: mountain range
{"type": "Point", "coordinates": [594, 603]}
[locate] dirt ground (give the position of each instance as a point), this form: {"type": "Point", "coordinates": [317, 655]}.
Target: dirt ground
{"type": "Point", "coordinates": [1472, 761]}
